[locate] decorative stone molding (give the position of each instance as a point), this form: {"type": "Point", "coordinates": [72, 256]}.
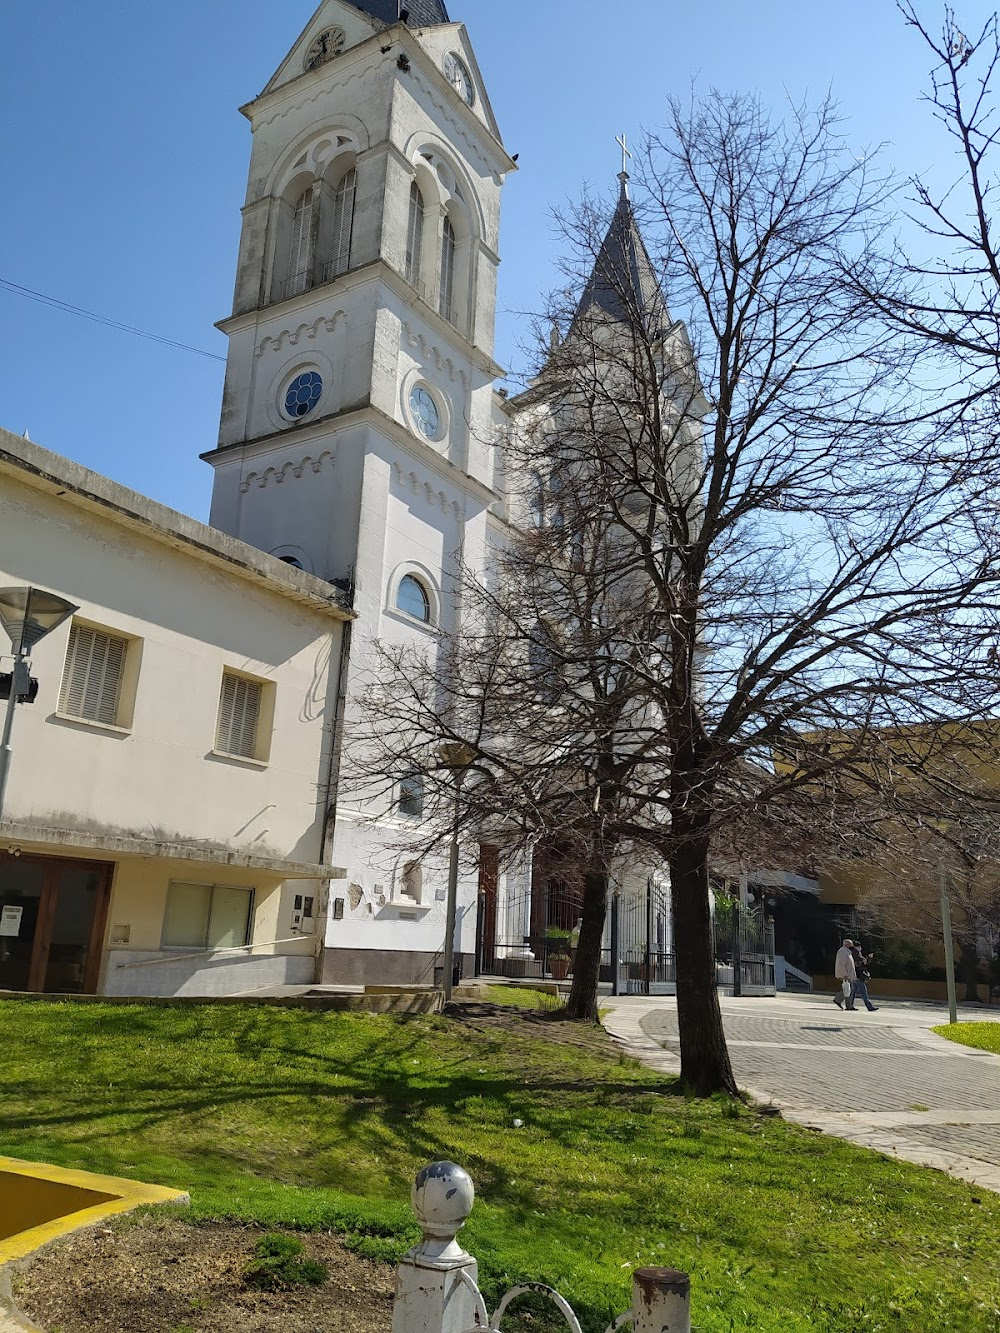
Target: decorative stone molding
{"type": "Point", "coordinates": [432, 355]}
{"type": "Point", "coordinates": [278, 474]}
{"type": "Point", "coordinates": [419, 486]}
{"type": "Point", "coordinates": [322, 92]}
{"type": "Point", "coordinates": [293, 337]}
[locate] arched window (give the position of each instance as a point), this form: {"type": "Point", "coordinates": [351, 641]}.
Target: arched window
{"type": "Point", "coordinates": [342, 224]}
{"type": "Point", "coordinates": [412, 882]}
{"type": "Point", "coordinates": [300, 251]}
{"type": "Point", "coordinates": [446, 305]}
{"type": "Point", "coordinates": [412, 599]}
{"type": "Point", "coordinates": [414, 234]}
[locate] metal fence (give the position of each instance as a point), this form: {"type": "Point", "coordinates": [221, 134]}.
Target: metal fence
{"type": "Point", "coordinates": [437, 1288]}
{"type": "Point", "coordinates": [744, 945]}
{"type": "Point", "coordinates": [642, 958]}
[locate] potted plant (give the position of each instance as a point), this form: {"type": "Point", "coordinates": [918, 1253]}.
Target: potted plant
{"type": "Point", "coordinates": [558, 943]}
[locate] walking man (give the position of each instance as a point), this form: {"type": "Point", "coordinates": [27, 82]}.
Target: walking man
{"type": "Point", "coordinates": [845, 971]}
{"type": "Point", "coordinates": [863, 976]}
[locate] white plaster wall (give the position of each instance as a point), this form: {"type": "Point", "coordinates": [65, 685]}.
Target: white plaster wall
{"type": "Point", "coordinates": [383, 919]}
{"type": "Point", "coordinates": [159, 779]}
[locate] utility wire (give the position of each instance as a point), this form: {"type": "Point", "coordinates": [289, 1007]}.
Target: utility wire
{"type": "Point", "coordinates": [103, 319]}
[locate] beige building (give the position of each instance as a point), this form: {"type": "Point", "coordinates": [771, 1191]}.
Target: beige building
{"type": "Point", "coordinates": [165, 829]}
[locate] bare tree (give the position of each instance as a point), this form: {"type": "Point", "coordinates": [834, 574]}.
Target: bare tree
{"type": "Point", "coordinates": [945, 275]}
{"type": "Point", "coordinates": [746, 539]}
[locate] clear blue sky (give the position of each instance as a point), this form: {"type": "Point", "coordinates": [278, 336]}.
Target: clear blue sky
{"type": "Point", "coordinates": [126, 160]}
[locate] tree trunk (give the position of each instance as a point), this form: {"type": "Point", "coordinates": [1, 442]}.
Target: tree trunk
{"type": "Point", "coordinates": [705, 1066]}
{"type": "Point", "coordinates": [582, 1003]}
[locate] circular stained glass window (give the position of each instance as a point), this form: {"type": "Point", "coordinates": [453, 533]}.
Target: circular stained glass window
{"type": "Point", "coordinates": [303, 394]}
{"type": "Point", "coordinates": [426, 416]}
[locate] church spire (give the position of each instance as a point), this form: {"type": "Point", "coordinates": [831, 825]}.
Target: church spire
{"type": "Point", "coordinates": [422, 13]}
{"type": "Point", "coordinates": [623, 285]}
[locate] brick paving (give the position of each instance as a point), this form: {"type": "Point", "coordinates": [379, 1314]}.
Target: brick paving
{"type": "Point", "coordinates": [882, 1080]}
{"type": "Point", "coordinates": [841, 1067]}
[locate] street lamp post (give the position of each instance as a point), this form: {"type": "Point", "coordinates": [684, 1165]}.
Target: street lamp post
{"type": "Point", "coordinates": [949, 947]}
{"type": "Point", "coordinates": [457, 757]}
{"type": "Point", "coordinates": [27, 615]}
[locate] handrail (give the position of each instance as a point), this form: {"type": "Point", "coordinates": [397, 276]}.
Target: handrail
{"type": "Point", "coordinates": [200, 953]}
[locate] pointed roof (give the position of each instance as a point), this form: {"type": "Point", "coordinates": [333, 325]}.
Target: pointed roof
{"type": "Point", "coordinates": [423, 13]}
{"type": "Point", "coordinates": [623, 285]}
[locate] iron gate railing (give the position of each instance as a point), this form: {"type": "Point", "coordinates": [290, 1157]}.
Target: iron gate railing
{"type": "Point", "coordinates": [513, 936]}
{"type": "Point", "coordinates": [642, 958]}
{"type": "Point", "coordinates": [752, 951]}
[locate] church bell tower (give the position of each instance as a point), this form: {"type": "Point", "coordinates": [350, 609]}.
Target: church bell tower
{"type": "Point", "coordinates": [359, 412]}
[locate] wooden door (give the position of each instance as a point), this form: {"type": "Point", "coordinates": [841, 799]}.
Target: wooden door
{"type": "Point", "coordinates": [69, 930]}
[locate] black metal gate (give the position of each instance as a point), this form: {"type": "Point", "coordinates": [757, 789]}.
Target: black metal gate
{"type": "Point", "coordinates": [752, 951]}
{"type": "Point", "coordinates": [641, 953]}
{"type": "Point", "coordinates": [529, 933]}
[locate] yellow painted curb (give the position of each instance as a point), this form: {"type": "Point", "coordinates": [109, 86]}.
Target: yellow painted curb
{"type": "Point", "coordinates": [96, 1197]}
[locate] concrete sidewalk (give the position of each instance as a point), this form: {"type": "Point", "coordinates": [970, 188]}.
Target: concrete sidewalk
{"type": "Point", "coordinates": [884, 1080]}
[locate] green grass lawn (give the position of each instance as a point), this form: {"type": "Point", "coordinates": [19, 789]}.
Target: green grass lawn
{"type": "Point", "coordinates": [524, 997]}
{"type": "Point", "coordinates": [301, 1119]}
{"type": "Point", "coordinates": [984, 1036]}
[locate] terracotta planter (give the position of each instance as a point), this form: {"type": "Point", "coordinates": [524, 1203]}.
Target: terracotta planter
{"type": "Point", "coordinates": [559, 967]}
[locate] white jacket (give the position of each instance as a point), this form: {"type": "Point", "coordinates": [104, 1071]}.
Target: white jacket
{"type": "Point", "coordinates": [843, 968]}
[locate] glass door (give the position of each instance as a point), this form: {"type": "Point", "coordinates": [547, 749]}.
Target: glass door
{"type": "Point", "coordinates": [21, 886]}
{"type": "Point", "coordinates": [52, 918]}
{"type": "Point", "coordinates": [77, 892]}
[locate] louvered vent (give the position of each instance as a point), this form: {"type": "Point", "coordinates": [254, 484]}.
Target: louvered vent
{"type": "Point", "coordinates": [239, 714]}
{"type": "Point", "coordinates": [300, 262]}
{"type": "Point", "coordinates": [92, 676]}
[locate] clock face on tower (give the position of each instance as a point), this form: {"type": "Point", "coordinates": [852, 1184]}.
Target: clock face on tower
{"type": "Point", "coordinates": [327, 45]}
{"type": "Point", "coordinates": [459, 78]}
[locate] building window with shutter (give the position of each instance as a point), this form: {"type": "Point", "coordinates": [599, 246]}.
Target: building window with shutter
{"type": "Point", "coordinates": [238, 730]}
{"type": "Point", "coordinates": [93, 675]}
{"type": "Point", "coordinates": [446, 304]}
{"type": "Point", "coordinates": [206, 916]}
{"type": "Point", "coordinates": [300, 259]}
{"type": "Point", "coordinates": [342, 225]}
{"type": "Point", "coordinates": [414, 234]}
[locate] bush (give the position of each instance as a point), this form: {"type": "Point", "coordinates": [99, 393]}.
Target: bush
{"type": "Point", "coordinates": [280, 1265]}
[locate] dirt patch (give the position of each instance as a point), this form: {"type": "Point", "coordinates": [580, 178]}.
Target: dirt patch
{"type": "Point", "coordinates": [164, 1275]}
{"type": "Point", "coordinates": [485, 1017]}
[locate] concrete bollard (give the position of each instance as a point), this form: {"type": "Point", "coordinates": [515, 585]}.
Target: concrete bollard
{"type": "Point", "coordinates": [431, 1296]}
{"type": "Point", "coordinates": [661, 1301]}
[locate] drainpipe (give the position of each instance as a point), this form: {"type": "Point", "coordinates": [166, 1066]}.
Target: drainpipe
{"type": "Point", "coordinates": [331, 783]}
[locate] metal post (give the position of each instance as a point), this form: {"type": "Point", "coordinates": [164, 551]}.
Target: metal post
{"type": "Point", "coordinates": [480, 933]}
{"type": "Point", "coordinates": [436, 1280]}
{"type": "Point", "coordinates": [661, 1301]}
{"type": "Point", "coordinates": [20, 668]}
{"type": "Point", "coordinates": [451, 913]}
{"type": "Point", "coordinates": [615, 945]}
{"type": "Point", "coordinates": [649, 936]}
{"type": "Point", "coordinates": [737, 947]}
{"type": "Point", "coordinates": [949, 947]}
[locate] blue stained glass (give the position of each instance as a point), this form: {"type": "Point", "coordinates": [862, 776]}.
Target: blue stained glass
{"type": "Point", "coordinates": [303, 394]}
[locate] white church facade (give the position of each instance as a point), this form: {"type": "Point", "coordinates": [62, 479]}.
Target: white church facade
{"type": "Point", "coordinates": [359, 410]}
{"type": "Point", "coordinates": [356, 467]}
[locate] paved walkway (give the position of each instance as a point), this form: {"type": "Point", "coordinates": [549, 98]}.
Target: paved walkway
{"type": "Point", "coordinates": [882, 1080]}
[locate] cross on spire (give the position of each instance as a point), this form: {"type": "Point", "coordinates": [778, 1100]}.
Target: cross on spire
{"type": "Point", "coordinates": [622, 143]}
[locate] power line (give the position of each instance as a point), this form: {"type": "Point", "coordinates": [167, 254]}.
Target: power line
{"type": "Point", "coordinates": [103, 319]}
